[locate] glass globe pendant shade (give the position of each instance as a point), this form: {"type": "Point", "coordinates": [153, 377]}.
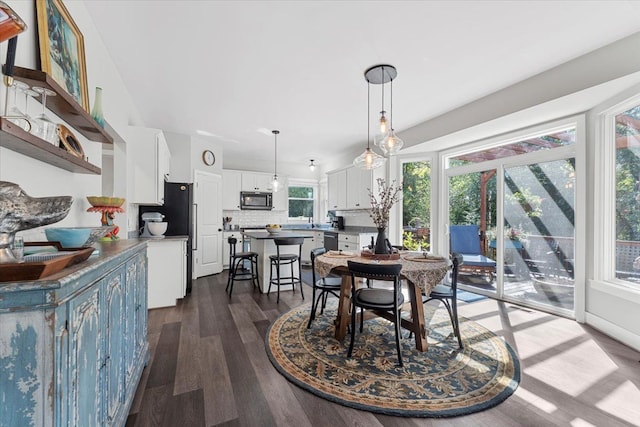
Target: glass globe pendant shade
{"type": "Point", "coordinates": [369, 160]}
{"type": "Point", "coordinates": [391, 143]}
{"type": "Point", "coordinates": [275, 184]}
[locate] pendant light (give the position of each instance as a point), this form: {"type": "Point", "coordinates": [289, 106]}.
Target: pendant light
{"type": "Point", "coordinates": [388, 141]}
{"type": "Point", "coordinates": [369, 159]}
{"type": "Point", "coordinates": [391, 143]}
{"type": "Point", "coordinates": [275, 184]}
{"type": "Point", "coordinates": [312, 166]}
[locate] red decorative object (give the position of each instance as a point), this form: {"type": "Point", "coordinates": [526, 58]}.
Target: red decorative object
{"type": "Point", "coordinates": [108, 213]}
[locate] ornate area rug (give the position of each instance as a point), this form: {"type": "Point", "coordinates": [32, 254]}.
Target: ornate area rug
{"type": "Point", "coordinates": [442, 382]}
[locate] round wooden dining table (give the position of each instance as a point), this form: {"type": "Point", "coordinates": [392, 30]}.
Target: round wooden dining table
{"type": "Point", "coordinates": [421, 273]}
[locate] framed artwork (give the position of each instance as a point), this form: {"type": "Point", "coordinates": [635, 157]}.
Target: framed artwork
{"type": "Point", "coordinates": [62, 49]}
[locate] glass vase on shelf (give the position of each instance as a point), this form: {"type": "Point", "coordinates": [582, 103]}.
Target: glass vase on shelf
{"type": "Point", "coordinates": [96, 111]}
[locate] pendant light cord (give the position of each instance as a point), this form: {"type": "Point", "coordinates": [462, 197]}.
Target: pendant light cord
{"type": "Point", "coordinates": [275, 152]}
{"type": "Point", "coordinates": [368, 109]}
{"type": "Point", "coordinates": [391, 108]}
{"type": "Point", "coordinates": [382, 88]}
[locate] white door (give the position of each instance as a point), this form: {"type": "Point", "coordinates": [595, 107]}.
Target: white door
{"type": "Point", "coordinates": [208, 224]}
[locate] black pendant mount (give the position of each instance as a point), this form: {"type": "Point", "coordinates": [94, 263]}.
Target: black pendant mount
{"type": "Point", "coordinates": [380, 74]}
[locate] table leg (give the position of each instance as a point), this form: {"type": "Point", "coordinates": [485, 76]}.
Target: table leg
{"type": "Point", "coordinates": [417, 314]}
{"type": "Point", "coordinates": [342, 320]}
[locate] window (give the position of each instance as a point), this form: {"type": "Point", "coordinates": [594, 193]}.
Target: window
{"type": "Point", "coordinates": [301, 203]}
{"type": "Point", "coordinates": [416, 204]}
{"type": "Point", "coordinates": [627, 181]}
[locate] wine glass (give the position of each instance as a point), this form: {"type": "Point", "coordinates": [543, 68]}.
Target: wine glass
{"type": "Point", "coordinates": [47, 128]}
{"type": "Point", "coordinates": [29, 93]}
{"type": "Point", "coordinates": [14, 114]}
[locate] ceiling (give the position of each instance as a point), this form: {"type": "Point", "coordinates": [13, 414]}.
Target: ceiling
{"type": "Point", "coordinates": [237, 69]}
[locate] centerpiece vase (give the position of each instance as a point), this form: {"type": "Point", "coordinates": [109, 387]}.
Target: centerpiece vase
{"type": "Point", "coordinates": [381, 242]}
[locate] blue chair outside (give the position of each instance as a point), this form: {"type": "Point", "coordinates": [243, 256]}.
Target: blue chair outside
{"type": "Point", "coordinates": [465, 240]}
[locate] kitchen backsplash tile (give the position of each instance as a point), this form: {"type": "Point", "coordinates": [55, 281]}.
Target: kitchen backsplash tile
{"type": "Point", "coordinates": [359, 218]}
{"type": "Point", "coordinates": [249, 218]}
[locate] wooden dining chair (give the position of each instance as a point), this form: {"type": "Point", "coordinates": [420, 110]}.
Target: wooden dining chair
{"type": "Point", "coordinates": [375, 298]}
{"type": "Point", "coordinates": [323, 286]}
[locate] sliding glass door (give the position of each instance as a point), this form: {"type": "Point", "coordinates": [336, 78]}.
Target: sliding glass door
{"type": "Point", "coordinates": [539, 233]}
{"type": "Point", "coordinates": [512, 203]}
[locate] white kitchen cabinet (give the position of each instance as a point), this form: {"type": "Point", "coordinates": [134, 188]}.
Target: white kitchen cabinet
{"type": "Point", "coordinates": [256, 181]}
{"type": "Point", "coordinates": [316, 241]}
{"type": "Point", "coordinates": [226, 248]}
{"type": "Point", "coordinates": [354, 242]}
{"type": "Point", "coordinates": [149, 164]}
{"type": "Point", "coordinates": [231, 187]}
{"type": "Point", "coordinates": [337, 186]}
{"type": "Point", "coordinates": [349, 188]}
{"type": "Point", "coordinates": [167, 271]}
{"type": "Point", "coordinates": [359, 182]}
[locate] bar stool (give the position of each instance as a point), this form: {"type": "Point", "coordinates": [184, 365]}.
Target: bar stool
{"type": "Point", "coordinates": [279, 260]}
{"type": "Point", "coordinates": [235, 262]}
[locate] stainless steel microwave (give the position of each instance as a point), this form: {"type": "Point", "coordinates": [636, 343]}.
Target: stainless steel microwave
{"type": "Point", "coordinates": [253, 200]}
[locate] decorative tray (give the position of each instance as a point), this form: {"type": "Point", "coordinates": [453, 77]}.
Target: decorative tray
{"type": "Point", "coordinates": [417, 257]}
{"type": "Point", "coordinates": [340, 254]}
{"type": "Point", "coordinates": [40, 265]}
{"type": "Point", "coordinates": [371, 255]}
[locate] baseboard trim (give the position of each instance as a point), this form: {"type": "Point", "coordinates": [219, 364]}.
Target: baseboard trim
{"type": "Point", "coordinates": [613, 330]}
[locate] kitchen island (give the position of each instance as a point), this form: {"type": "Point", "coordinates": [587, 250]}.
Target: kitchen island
{"type": "Point", "coordinates": [262, 243]}
{"type": "Point", "coordinates": [73, 345]}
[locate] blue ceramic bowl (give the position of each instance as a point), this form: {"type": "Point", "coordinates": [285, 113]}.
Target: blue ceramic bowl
{"type": "Point", "coordinates": [69, 237]}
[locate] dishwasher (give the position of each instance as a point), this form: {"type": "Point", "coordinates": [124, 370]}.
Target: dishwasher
{"type": "Point", "coordinates": [331, 240]}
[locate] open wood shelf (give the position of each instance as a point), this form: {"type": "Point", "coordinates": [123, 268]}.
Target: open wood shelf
{"type": "Point", "coordinates": [64, 105]}
{"type": "Point", "coordinates": [17, 139]}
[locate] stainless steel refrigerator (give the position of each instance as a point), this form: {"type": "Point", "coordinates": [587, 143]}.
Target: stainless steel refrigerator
{"type": "Point", "coordinates": [178, 213]}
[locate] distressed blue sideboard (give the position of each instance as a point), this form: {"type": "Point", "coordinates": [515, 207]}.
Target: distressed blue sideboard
{"type": "Point", "coordinates": [73, 345]}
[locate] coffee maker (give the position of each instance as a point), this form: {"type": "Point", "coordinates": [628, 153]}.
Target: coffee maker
{"type": "Point", "coordinates": [338, 222]}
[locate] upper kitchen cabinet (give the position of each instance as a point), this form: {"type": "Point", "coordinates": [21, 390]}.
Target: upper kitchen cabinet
{"type": "Point", "coordinates": [231, 187]}
{"type": "Point", "coordinates": [149, 160]}
{"type": "Point", "coordinates": [359, 182]}
{"type": "Point", "coordinates": [255, 181]}
{"type": "Point", "coordinates": [337, 188]}
{"type": "Point", "coordinates": [349, 188]}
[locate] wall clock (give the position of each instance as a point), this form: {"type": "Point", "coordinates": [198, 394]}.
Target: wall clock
{"type": "Point", "coordinates": [208, 157]}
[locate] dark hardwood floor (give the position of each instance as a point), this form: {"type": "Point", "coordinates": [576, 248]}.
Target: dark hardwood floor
{"type": "Point", "coordinates": [208, 367]}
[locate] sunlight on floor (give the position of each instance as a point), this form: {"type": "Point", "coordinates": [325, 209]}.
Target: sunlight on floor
{"type": "Point", "coordinates": [625, 393]}
{"type": "Point", "coordinates": [582, 367]}
{"type": "Point", "coordinates": [535, 400]}
{"type": "Point", "coordinates": [579, 422]}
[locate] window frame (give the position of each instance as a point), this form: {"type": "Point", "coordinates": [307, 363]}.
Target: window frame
{"type": "Point", "coordinates": [303, 183]}
{"type": "Point", "coordinates": [604, 202]}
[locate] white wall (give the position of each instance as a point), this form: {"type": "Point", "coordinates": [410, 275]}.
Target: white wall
{"type": "Point", "coordinates": [41, 179]}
